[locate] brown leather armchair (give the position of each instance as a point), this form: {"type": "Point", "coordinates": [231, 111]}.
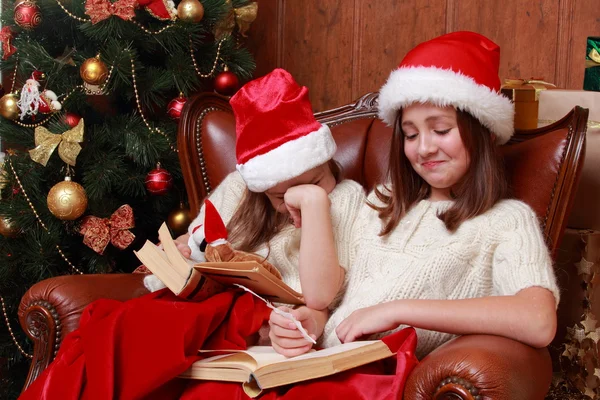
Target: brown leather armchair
{"type": "Point", "coordinates": [544, 167]}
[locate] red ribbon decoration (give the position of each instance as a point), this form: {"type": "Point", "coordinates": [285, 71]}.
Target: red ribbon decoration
{"type": "Point", "coordinates": [6, 36]}
{"type": "Point", "coordinates": [98, 232]}
{"type": "Point", "coordinates": [99, 10]}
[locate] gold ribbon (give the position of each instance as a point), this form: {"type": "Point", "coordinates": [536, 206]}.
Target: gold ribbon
{"type": "Point", "coordinates": [242, 17]}
{"type": "Point", "coordinates": [67, 142]}
{"type": "Point", "coordinates": [537, 84]}
{"type": "Point", "coordinates": [594, 60]}
{"type": "Point", "coordinates": [590, 124]}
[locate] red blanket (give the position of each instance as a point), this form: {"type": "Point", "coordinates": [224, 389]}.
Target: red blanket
{"type": "Point", "coordinates": [135, 349]}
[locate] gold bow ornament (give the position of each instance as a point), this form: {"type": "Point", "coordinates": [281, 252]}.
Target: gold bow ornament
{"type": "Point", "coordinates": [242, 17]}
{"type": "Point", "coordinates": [67, 142]}
{"type": "Point", "coordinates": [521, 89]}
{"type": "Point", "coordinates": [594, 60]}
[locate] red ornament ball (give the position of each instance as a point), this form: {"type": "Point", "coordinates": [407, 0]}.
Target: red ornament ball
{"type": "Point", "coordinates": [227, 83]}
{"type": "Point", "coordinates": [27, 14]}
{"type": "Point", "coordinates": [158, 181]}
{"type": "Point", "coordinates": [176, 106]}
{"type": "Point", "coordinates": [71, 119]}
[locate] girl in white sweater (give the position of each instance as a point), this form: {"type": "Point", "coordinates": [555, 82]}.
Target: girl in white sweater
{"type": "Point", "coordinates": [286, 179]}
{"type": "Point", "coordinates": [439, 247]}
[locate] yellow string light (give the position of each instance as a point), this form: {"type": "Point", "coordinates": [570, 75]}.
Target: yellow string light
{"type": "Point", "coordinates": [139, 105]}
{"type": "Point", "coordinates": [214, 67]}
{"type": "Point", "coordinates": [37, 216]}
{"type": "Point", "coordinates": [12, 335]}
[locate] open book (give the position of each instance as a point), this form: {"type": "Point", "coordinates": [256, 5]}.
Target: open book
{"type": "Point", "coordinates": [188, 279]}
{"type": "Point", "coordinates": [260, 367]}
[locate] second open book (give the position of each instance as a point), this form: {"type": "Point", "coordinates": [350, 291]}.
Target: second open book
{"type": "Point", "coordinates": [188, 279]}
{"type": "Point", "coordinates": [260, 367]}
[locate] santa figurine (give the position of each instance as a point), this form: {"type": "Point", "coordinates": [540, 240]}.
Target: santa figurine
{"type": "Point", "coordinates": [32, 101]}
{"type": "Point", "coordinates": [29, 102]}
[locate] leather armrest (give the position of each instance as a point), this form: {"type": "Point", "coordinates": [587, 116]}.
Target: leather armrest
{"type": "Point", "coordinates": [69, 295]}
{"type": "Point", "coordinates": [51, 309]}
{"type": "Point", "coordinates": [477, 367]}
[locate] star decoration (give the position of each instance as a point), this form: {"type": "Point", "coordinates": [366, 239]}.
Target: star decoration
{"type": "Point", "coordinates": [595, 336]}
{"type": "Point", "coordinates": [579, 334]}
{"type": "Point", "coordinates": [589, 323]}
{"type": "Point", "coordinates": [584, 267]}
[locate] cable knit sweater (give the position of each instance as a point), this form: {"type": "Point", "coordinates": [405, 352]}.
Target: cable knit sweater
{"type": "Point", "coordinates": [346, 200]}
{"type": "Point", "coordinates": [497, 253]}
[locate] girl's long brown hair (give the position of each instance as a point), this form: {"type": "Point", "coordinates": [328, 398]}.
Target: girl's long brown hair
{"type": "Point", "coordinates": [255, 221]}
{"type": "Point", "coordinates": [482, 186]}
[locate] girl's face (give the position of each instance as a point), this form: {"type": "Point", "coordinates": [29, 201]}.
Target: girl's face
{"type": "Point", "coordinates": [320, 176]}
{"type": "Point", "coordinates": [433, 145]}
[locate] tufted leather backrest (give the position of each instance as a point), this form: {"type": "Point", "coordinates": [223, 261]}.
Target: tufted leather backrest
{"type": "Point", "coordinates": [543, 164]}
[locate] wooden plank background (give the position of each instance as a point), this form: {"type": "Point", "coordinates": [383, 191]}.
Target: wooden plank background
{"type": "Point", "coordinates": [342, 49]}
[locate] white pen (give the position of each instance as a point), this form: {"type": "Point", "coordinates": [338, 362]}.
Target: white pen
{"type": "Point", "coordinates": [284, 314]}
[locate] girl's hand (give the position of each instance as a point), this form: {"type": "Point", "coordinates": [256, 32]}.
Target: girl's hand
{"type": "Point", "coordinates": [300, 196]}
{"type": "Point", "coordinates": [181, 243]}
{"type": "Point", "coordinates": [285, 337]}
{"type": "Point", "coordinates": [367, 321]}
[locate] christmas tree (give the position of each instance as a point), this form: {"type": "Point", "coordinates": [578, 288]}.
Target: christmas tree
{"type": "Point", "coordinates": [93, 91]}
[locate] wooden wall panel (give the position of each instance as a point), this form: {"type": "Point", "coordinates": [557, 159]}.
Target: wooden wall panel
{"type": "Point", "coordinates": [263, 36]}
{"type": "Point", "coordinates": [584, 20]}
{"type": "Point", "coordinates": [317, 47]}
{"type": "Point", "coordinates": [342, 49]}
{"type": "Point", "coordinates": [526, 31]}
{"type": "Point", "coordinates": [385, 32]}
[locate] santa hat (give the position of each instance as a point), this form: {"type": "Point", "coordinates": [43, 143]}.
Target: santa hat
{"type": "Point", "coordinates": [459, 69]}
{"type": "Point", "coordinates": [278, 137]}
{"type": "Point", "coordinates": [215, 231]}
{"type": "Point", "coordinates": [161, 9]}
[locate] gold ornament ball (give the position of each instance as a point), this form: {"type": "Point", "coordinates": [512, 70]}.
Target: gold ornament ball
{"type": "Point", "coordinates": [93, 71]}
{"type": "Point", "coordinates": [190, 11]}
{"type": "Point", "coordinates": [8, 228]}
{"type": "Point", "coordinates": [8, 106]}
{"type": "Point", "coordinates": [67, 200]}
{"type": "Point", "coordinates": [179, 219]}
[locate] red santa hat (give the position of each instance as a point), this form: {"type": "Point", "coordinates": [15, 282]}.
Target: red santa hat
{"type": "Point", "coordinates": [214, 227]}
{"type": "Point", "coordinates": [278, 137]}
{"type": "Point", "coordinates": [458, 69]}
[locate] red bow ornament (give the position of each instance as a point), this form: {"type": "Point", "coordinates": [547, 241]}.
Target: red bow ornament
{"type": "Point", "coordinates": [6, 37]}
{"type": "Point", "coordinates": [98, 232]}
{"type": "Point", "coordinates": [99, 10]}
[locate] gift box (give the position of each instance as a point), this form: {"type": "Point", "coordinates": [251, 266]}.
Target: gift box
{"type": "Point", "coordinates": [555, 104]}
{"type": "Point", "coordinates": [576, 345]}
{"type": "Point", "coordinates": [591, 78]}
{"type": "Point", "coordinates": [524, 93]}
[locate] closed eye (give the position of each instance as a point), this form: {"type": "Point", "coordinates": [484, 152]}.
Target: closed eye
{"type": "Point", "coordinates": [443, 132]}
{"type": "Point", "coordinates": [410, 137]}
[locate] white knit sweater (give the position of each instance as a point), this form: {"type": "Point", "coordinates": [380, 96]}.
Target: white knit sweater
{"type": "Point", "coordinates": [497, 253]}
{"type": "Point", "coordinates": [346, 198]}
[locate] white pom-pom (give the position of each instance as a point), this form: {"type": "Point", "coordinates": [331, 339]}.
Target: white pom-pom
{"type": "Point", "coordinates": [55, 105]}
{"type": "Point", "coordinates": [152, 283]}
{"type": "Point", "coordinates": [50, 94]}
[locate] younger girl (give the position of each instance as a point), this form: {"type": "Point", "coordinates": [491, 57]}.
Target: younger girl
{"type": "Point", "coordinates": [439, 247]}
{"type": "Point", "coordinates": [285, 179]}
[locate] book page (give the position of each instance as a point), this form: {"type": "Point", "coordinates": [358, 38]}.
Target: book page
{"type": "Point", "coordinates": [156, 261]}
{"type": "Point", "coordinates": [177, 260]}
{"type": "Point", "coordinates": [265, 355]}
{"type": "Point", "coordinates": [262, 355]}
{"type": "Point", "coordinates": [331, 350]}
